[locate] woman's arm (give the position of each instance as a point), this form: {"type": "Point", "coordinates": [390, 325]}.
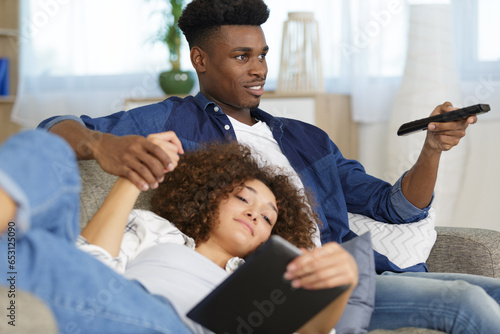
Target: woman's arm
{"type": "Point", "coordinates": [106, 228]}
{"type": "Point", "coordinates": [324, 267]}
{"type": "Point", "coordinates": [8, 211]}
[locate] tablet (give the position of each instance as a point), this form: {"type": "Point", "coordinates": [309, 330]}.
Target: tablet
{"type": "Point", "coordinates": [257, 299]}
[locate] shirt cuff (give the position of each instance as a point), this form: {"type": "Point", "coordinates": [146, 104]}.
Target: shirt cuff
{"type": "Point", "coordinates": [407, 211]}
{"type": "Point", "coordinates": [48, 123]}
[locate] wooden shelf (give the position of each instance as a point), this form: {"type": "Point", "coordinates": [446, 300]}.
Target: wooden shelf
{"type": "Point", "coordinates": [9, 32]}
{"type": "Point", "coordinates": [7, 99]}
{"type": "Point", "coordinates": [9, 48]}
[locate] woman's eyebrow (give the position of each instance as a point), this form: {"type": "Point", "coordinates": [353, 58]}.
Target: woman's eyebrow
{"type": "Point", "coordinates": [255, 192]}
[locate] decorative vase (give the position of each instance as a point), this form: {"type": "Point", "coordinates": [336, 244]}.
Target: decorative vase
{"type": "Point", "coordinates": [176, 82]}
{"type": "Point", "coordinates": [300, 66]}
{"type": "Point", "coordinates": [430, 78]}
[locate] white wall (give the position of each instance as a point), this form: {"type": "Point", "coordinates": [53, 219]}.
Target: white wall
{"type": "Point", "coordinates": [479, 202]}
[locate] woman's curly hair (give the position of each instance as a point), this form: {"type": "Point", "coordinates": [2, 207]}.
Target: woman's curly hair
{"type": "Point", "coordinates": [189, 197]}
{"type": "Point", "coordinates": [201, 18]}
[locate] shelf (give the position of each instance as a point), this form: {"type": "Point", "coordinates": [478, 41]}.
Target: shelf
{"type": "Point", "coordinates": [9, 32]}
{"type": "Point", "coordinates": [7, 99]}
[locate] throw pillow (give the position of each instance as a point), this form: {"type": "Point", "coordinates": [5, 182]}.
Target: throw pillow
{"type": "Point", "coordinates": [358, 312]}
{"type": "Point", "coordinates": [405, 245]}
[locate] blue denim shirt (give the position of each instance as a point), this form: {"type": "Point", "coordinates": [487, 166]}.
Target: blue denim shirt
{"type": "Point", "coordinates": [339, 185]}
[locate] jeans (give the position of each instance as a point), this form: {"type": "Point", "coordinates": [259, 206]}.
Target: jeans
{"type": "Point", "coordinates": [452, 303]}
{"type": "Point", "coordinates": [39, 171]}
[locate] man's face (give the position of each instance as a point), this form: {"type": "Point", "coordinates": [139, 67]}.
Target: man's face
{"type": "Point", "coordinates": [236, 68]}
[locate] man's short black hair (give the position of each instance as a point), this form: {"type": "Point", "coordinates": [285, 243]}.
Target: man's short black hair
{"type": "Point", "coordinates": [201, 18]}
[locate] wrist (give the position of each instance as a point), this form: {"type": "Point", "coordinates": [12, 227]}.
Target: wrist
{"type": "Point", "coordinates": [90, 147]}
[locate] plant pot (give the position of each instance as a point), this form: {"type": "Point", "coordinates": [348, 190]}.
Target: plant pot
{"type": "Point", "coordinates": [176, 82]}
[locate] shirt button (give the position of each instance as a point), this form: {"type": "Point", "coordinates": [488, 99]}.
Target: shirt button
{"type": "Point", "coordinates": [227, 127]}
{"type": "Point", "coordinates": [216, 109]}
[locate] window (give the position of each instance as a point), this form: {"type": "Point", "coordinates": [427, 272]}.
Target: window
{"type": "Point", "coordinates": [477, 26]}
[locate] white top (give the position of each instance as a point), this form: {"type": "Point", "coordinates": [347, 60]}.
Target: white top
{"type": "Point", "coordinates": [259, 138]}
{"type": "Point", "coordinates": [155, 253]}
{"type": "Point", "coordinates": [178, 273]}
{"type": "Point", "coordinates": [144, 230]}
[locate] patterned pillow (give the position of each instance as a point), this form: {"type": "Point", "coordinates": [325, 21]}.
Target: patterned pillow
{"type": "Point", "coordinates": [404, 244]}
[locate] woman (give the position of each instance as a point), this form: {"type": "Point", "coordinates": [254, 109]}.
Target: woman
{"type": "Point", "coordinates": [225, 205]}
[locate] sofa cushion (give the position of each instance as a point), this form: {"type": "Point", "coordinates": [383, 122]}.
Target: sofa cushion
{"type": "Point", "coordinates": [466, 250]}
{"type": "Point", "coordinates": [96, 185]}
{"type": "Point", "coordinates": [405, 245]}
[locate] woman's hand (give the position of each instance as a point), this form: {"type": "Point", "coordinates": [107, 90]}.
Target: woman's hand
{"type": "Point", "coordinates": [323, 267]}
{"type": "Point", "coordinates": [171, 146]}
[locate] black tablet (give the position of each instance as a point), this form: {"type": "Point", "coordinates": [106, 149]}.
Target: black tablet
{"type": "Point", "coordinates": [257, 299]}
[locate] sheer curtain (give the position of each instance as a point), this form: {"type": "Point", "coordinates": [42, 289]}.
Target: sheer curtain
{"type": "Point", "coordinates": [86, 57]}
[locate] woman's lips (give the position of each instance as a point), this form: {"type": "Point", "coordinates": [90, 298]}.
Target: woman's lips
{"type": "Point", "coordinates": [246, 224]}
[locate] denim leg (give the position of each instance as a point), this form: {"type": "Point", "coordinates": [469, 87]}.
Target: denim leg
{"type": "Point", "coordinates": [489, 284]}
{"type": "Point", "coordinates": [450, 306]}
{"type": "Point", "coordinates": [39, 172]}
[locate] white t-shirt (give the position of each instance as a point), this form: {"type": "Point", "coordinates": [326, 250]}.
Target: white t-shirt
{"type": "Point", "coordinates": [162, 258]}
{"type": "Point", "coordinates": [267, 151]}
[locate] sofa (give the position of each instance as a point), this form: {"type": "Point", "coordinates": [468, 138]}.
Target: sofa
{"type": "Point", "coordinates": [458, 250]}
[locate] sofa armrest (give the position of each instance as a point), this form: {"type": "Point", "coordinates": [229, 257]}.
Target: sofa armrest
{"type": "Point", "coordinates": [466, 250]}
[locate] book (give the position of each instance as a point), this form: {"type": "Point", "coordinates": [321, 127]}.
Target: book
{"type": "Point", "coordinates": [4, 76]}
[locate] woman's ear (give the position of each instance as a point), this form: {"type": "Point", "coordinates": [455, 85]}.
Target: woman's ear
{"type": "Point", "coordinates": [199, 59]}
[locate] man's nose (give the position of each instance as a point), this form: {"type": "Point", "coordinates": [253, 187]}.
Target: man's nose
{"type": "Point", "coordinates": [259, 69]}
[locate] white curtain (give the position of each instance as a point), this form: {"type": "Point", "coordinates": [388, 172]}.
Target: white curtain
{"type": "Point", "coordinates": [88, 56]}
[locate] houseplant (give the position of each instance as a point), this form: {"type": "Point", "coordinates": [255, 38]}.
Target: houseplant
{"type": "Point", "coordinates": [175, 81]}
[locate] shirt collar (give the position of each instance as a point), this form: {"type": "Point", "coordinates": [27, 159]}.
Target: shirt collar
{"type": "Point", "coordinates": [203, 102]}
{"type": "Point", "coordinates": [257, 113]}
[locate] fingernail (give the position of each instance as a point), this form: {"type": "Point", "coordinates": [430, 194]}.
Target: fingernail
{"type": "Point", "coordinates": [170, 167]}
{"type": "Point", "coordinates": [296, 284]}
{"type": "Point", "coordinates": [145, 187]}
{"type": "Point", "coordinates": [154, 186]}
{"type": "Point", "coordinates": [287, 275]}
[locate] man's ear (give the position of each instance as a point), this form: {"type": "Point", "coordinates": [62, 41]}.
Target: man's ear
{"type": "Point", "coordinates": [199, 59]}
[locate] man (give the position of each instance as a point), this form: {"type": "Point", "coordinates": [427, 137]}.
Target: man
{"type": "Point", "coordinates": [228, 52]}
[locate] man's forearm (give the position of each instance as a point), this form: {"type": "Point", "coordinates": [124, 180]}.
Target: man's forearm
{"type": "Point", "coordinates": [418, 184]}
{"type": "Point", "coordinates": [81, 139]}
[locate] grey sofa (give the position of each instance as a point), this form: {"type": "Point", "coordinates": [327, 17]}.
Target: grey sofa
{"type": "Point", "coordinates": [457, 250]}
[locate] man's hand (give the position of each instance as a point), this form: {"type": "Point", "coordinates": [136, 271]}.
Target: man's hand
{"type": "Point", "coordinates": [418, 184]}
{"type": "Point", "coordinates": [444, 136]}
{"type": "Point", "coordinates": [143, 161]}
{"type": "Point", "coordinates": [323, 267]}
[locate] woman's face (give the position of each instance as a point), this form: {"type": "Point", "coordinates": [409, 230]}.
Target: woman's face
{"type": "Point", "coordinates": [246, 219]}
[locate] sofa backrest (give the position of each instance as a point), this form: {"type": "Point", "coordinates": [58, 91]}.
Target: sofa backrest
{"type": "Point", "coordinates": [96, 184]}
